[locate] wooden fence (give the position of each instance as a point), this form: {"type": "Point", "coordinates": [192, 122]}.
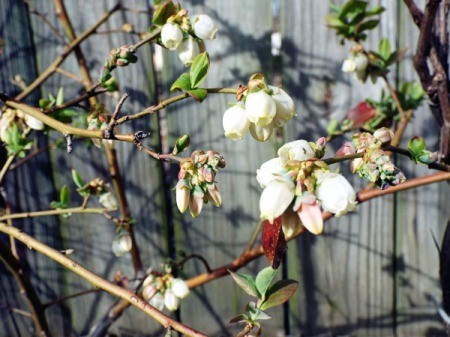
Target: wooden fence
{"type": "Point", "coordinates": [372, 273]}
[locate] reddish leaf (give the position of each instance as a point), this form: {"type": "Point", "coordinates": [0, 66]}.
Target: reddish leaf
{"type": "Point", "coordinates": [273, 242]}
{"type": "Point", "coordinates": [361, 113]}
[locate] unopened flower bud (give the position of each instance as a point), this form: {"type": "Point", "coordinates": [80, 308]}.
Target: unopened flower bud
{"type": "Point", "coordinates": [171, 36]}
{"type": "Point", "coordinates": [261, 108]}
{"type": "Point", "coordinates": [121, 244]}
{"type": "Point", "coordinates": [195, 205]}
{"type": "Point", "coordinates": [235, 122]}
{"type": "Point", "coordinates": [108, 200]}
{"type": "Point", "coordinates": [188, 50]}
{"type": "Point", "coordinates": [33, 122]}
{"type": "Point", "coordinates": [182, 195]}
{"type": "Point", "coordinates": [346, 149]}
{"type": "Point", "coordinates": [213, 195]}
{"type": "Point", "coordinates": [384, 135]}
{"type": "Point", "coordinates": [204, 27]}
{"type": "Point", "coordinates": [148, 292]}
{"type": "Point", "coordinates": [268, 171]}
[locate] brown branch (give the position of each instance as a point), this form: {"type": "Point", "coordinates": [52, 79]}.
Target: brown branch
{"type": "Point", "coordinates": [60, 59]}
{"type": "Point", "coordinates": [27, 288]}
{"type": "Point", "coordinates": [415, 11]}
{"type": "Point", "coordinates": [99, 282]}
{"type": "Point", "coordinates": [363, 196]}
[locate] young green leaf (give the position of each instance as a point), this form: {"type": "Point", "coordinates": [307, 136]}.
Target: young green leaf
{"type": "Point", "coordinates": [238, 318]}
{"type": "Point", "coordinates": [374, 11]}
{"type": "Point", "coordinates": [352, 7]}
{"type": "Point", "coordinates": [279, 293]}
{"type": "Point", "coordinates": [198, 94]}
{"type": "Point", "coordinates": [256, 313]}
{"type": "Point", "coordinates": [77, 179]}
{"type": "Point", "coordinates": [263, 280]}
{"type": "Point", "coordinates": [246, 282]}
{"type": "Point", "coordinates": [60, 96]}
{"type": "Point", "coordinates": [199, 69]}
{"type": "Point", "coordinates": [384, 49]}
{"type": "Point", "coordinates": [163, 12]}
{"type": "Point", "coordinates": [64, 196]}
{"type": "Point", "coordinates": [370, 24]}
{"type": "Point", "coordinates": [182, 83]}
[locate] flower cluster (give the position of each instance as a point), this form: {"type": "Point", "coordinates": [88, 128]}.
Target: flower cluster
{"type": "Point", "coordinates": [164, 290]}
{"type": "Point", "coordinates": [375, 164]}
{"type": "Point", "coordinates": [11, 116]}
{"type": "Point", "coordinates": [297, 184]}
{"type": "Point", "coordinates": [183, 34]}
{"type": "Point", "coordinates": [260, 109]}
{"type": "Point", "coordinates": [357, 63]}
{"type": "Point", "coordinates": [196, 184]}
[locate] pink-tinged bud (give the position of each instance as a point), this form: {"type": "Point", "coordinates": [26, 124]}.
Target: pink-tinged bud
{"type": "Point", "coordinates": [195, 205]}
{"type": "Point", "coordinates": [269, 171]}
{"type": "Point", "coordinates": [335, 193]}
{"type": "Point", "coordinates": [346, 149]}
{"type": "Point", "coordinates": [235, 122]}
{"type": "Point", "coordinates": [298, 150]}
{"type": "Point", "coordinates": [311, 217]}
{"type": "Point", "coordinates": [321, 143]}
{"type": "Point", "coordinates": [204, 27]}
{"type": "Point", "coordinates": [361, 114]}
{"type": "Point", "coordinates": [171, 36]}
{"type": "Point", "coordinates": [260, 133]}
{"type": "Point", "coordinates": [384, 135]}
{"type": "Point", "coordinates": [356, 164]}
{"type": "Point", "coordinates": [213, 195]}
{"type": "Point", "coordinates": [150, 279]}
{"type": "Point", "coordinates": [170, 300]}
{"type": "Point", "coordinates": [179, 287]}
{"type": "Point", "coordinates": [276, 197]}
{"type": "Point", "coordinates": [261, 108]}
{"type": "Point", "coordinates": [157, 301]}
{"type": "Point", "coordinates": [182, 195]}
{"type": "Point", "coordinates": [187, 51]}
{"type": "Point", "coordinates": [148, 292]}
{"type": "Point", "coordinates": [284, 103]}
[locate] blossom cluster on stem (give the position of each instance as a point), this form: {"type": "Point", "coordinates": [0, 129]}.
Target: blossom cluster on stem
{"type": "Point", "coordinates": [297, 185]}
{"type": "Point", "coordinates": [260, 109]}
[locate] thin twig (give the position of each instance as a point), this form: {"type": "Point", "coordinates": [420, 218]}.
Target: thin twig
{"type": "Point", "coordinates": [58, 211]}
{"type": "Point", "coordinates": [99, 282]}
{"type": "Point", "coordinates": [69, 297]}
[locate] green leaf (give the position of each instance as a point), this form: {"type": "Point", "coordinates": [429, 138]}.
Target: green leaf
{"type": "Point", "coordinates": [198, 94]}
{"type": "Point", "coordinates": [199, 69]}
{"type": "Point", "coordinates": [238, 318]}
{"type": "Point", "coordinates": [163, 12]}
{"type": "Point", "coordinates": [375, 11]}
{"type": "Point", "coordinates": [60, 96]}
{"type": "Point", "coordinates": [334, 22]}
{"type": "Point", "coordinates": [256, 313]}
{"type": "Point", "coordinates": [263, 280]}
{"type": "Point", "coordinates": [77, 179]}
{"type": "Point", "coordinates": [182, 83]}
{"type": "Point", "coordinates": [279, 293]}
{"type": "Point", "coordinates": [64, 195]}
{"type": "Point", "coordinates": [246, 282]}
{"type": "Point", "coordinates": [352, 7]}
{"type": "Point", "coordinates": [181, 144]}
{"type": "Point", "coordinates": [384, 49]}
{"type": "Point", "coordinates": [367, 25]}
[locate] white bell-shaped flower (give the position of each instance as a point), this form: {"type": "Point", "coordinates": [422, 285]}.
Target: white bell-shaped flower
{"type": "Point", "coordinates": [235, 122]}
{"type": "Point", "coordinates": [179, 287]}
{"type": "Point", "coordinates": [276, 197]}
{"type": "Point", "coordinates": [171, 36]}
{"type": "Point", "coordinates": [204, 27]}
{"type": "Point", "coordinates": [298, 150]}
{"type": "Point", "coordinates": [170, 300]}
{"type": "Point", "coordinates": [284, 103]}
{"type": "Point", "coordinates": [261, 108]}
{"type": "Point", "coordinates": [188, 50]}
{"type": "Point", "coordinates": [33, 122]}
{"type": "Point", "coordinates": [108, 200]}
{"type": "Point", "coordinates": [157, 301]}
{"type": "Point", "coordinates": [261, 133]}
{"type": "Point", "coordinates": [122, 244]}
{"type": "Point", "coordinates": [335, 193]}
{"type": "Point", "coordinates": [268, 171]}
